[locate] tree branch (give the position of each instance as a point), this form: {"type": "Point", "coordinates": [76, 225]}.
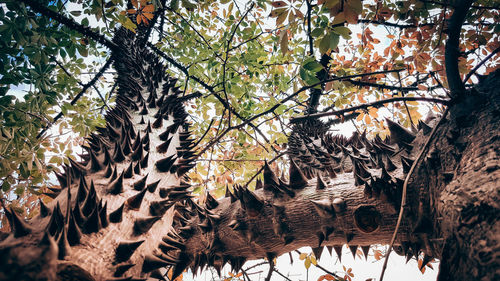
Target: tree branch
{"type": "Point", "coordinates": [365, 106]}
{"type": "Point", "coordinates": [79, 95]}
{"type": "Point", "coordinates": [452, 51]}
{"type": "Point", "coordinates": [70, 23]}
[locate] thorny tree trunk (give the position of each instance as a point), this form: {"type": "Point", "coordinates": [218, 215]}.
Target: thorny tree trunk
{"type": "Point", "coordinates": [338, 191]}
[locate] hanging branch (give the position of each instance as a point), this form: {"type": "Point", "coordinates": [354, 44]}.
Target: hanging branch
{"type": "Point", "coordinates": [420, 155]}
{"type": "Point", "coordinates": [70, 23]}
{"type": "Point", "coordinates": [79, 95]}
{"type": "Point", "coordinates": [366, 105]}
{"type": "Point", "coordinates": [452, 49]}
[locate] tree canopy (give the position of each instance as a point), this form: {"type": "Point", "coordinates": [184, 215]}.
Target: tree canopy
{"type": "Point", "coordinates": [256, 68]}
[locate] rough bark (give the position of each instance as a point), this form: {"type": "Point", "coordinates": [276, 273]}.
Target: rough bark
{"type": "Point", "coordinates": [130, 210]}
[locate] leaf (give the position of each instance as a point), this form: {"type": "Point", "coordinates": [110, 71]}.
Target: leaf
{"type": "Point", "coordinates": [328, 42]}
{"type": "Point", "coordinates": [275, 13]}
{"type": "Point", "coordinates": [313, 260]}
{"type": "Point", "coordinates": [344, 31]}
{"type": "Point", "coordinates": [327, 277]}
{"type": "Point", "coordinates": [281, 18]}
{"type": "Point", "coordinates": [148, 9]}
{"type": "Point", "coordinates": [313, 66]}
{"type": "Point", "coordinates": [284, 42]}
{"type": "Point", "coordinates": [302, 256]}
{"type": "Point", "coordinates": [278, 4]}
{"type": "Point", "coordinates": [307, 263]}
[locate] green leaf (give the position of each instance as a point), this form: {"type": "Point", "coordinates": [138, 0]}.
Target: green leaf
{"type": "Point", "coordinates": [343, 31]}
{"type": "Point", "coordinates": [317, 32]}
{"type": "Point", "coordinates": [85, 21]}
{"type": "Point", "coordinates": [313, 66]}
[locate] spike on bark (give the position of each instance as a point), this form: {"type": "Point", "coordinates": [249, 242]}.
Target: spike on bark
{"type": "Point", "coordinates": [338, 250]}
{"type": "Point", "coordinates": [297, 178]}
{"type": "Point", "coordinates": [125, 250]}
{"type": "Point", "coordinates": [129, 172]}
{"type": "Point", "coordinates": [143, 225]}
{"type": "Point", "coordinates": [116, 186]}
{"type": "Point", "coordinates": [320, 183]}
{"type": "Point", "coordinates": [353, 251]}
{"type": "Point", "coordinates": [116, 215]}
{"type": "Point", "coordinates": [270, 180]}
{"type": "Point", "coordinates": [365, 250]}
{"type": "Point", "coordinates": [140, 184]}
{"type": "Point", "coordinates": [93, 223]}
{"type": "Point", "coordinates": [74, 232]}
{"type": "Point", "coordinates": [64, 248]}
{"type": "Point", "coordinates": [324, 208]}
{"type": "Point", "coordinates": [44, 210]}
{"type": "Point", "coordinates": [399, 134]}
{"type": "Point", "coordinates": [165, 164]}
{"type": "Point", "coordinates": [151, 263]}
{"type": "Point", "coordinates": [18, 225]}
{"type": "Point", "coordinates": [135, 201]}
{"type": "Point", "coordinates": [122, 268]}
{"type": "Point", "coordinates": [152, 186]}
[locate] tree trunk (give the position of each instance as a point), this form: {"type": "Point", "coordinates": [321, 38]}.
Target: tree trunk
{"type": "Point", "coordinates": [338, 191]}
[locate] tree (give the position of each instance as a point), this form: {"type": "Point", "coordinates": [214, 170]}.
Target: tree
{"type": "Point", "coordinates": [430, 186]}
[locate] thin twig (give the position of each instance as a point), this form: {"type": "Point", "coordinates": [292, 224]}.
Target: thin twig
{"type": "Point", "coordinates": [467, 77]}
{"type": "Point", "coordinates": [270, 272]}
{"type": "Point", "coordinates": [281, 274]}
{"type": "Point", "coordinates": [79, 95]}
{"type": "Point", "coordinates": [71, 24]}
{"type": "Point", "coordinates": [422, 152]}
{"type": "Point", "coordinates": [366, 105]}
{"type": "Point", "coordinates": [262, 168]}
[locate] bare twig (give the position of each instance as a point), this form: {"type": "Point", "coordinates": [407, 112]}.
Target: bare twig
{"type": "Point", "coordinates": [467, 77]}
{"type": "Point", "coordinates": [422, 152]}
{"type": "Point", "coordinates": [366, 105]}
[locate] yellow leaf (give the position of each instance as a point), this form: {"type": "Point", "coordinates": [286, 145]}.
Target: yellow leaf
{"type": "Point", "coordinates": [313, 260]}
{"type": "Point", "coordinates": [307, 263]}
{"type": "Point", "coordinates": [302, 256]}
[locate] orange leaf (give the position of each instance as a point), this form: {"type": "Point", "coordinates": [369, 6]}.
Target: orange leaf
{"type": "Point", "coordinates": [134, 2]}
{"type": "Point", "coordinates": [326, 277]}
{"type": "Point", "coordinates": [139, 19]}
{"type": "Point", "coordinates": [148, 9]}
{"type": "Point", "coordinates": [131, 11]}
{"type": "Point", "coordinates": [148, 15]}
